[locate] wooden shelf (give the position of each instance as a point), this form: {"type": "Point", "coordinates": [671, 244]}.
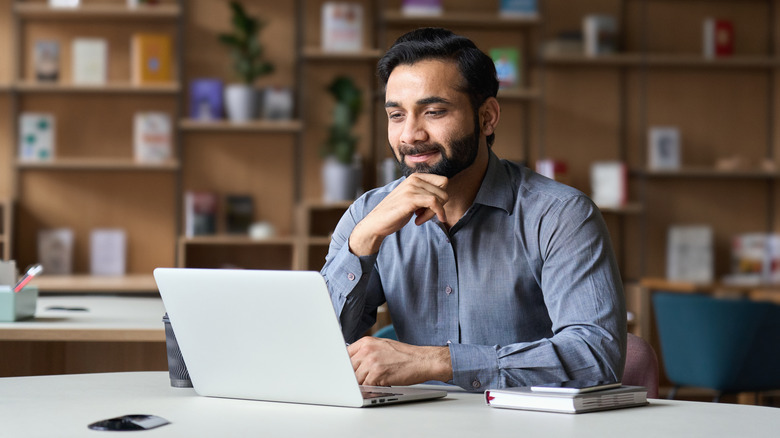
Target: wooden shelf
{"type": "Point", "coordinates": [474, 20]}
{"type": "Point", "coordinates": [119, 164]}
{"type": "Point", "coordinates": [661, 60]}
{"type": "Point", "coordinates": [519, 94]}
{"type": "Point", "coordinates": [317, 53]}
{"type": "Point", "coordinates": [706, 172]}
{"type": "Point", "coordinates": [227, 239]}
{"type": "Point", "coordinates": [130, 283]}
{"type": "Point", "coordinates": [291, 126]}
{"type": "Point", "coordinates": [628, 209]}
{"type": "Point", "coordinates": [93, 11]}
{"type": "Point", "coordinates": [108, 88]}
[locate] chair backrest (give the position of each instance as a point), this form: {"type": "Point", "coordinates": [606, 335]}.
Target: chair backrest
{"type": "Point", "coordinates": [729, 345]}
{"type": "Point", "coordinates": [641, 365]}
{"type": "Point", "coordinates": [387, 332]}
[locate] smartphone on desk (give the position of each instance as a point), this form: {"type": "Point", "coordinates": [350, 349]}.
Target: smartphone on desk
{"type": "Point", "coordinates": [575, 386]}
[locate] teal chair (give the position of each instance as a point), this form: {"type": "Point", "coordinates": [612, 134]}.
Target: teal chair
{"type": "Point", "coordinates": [387, 332]}
{"type": "Point", "coordinates": [727, 345]}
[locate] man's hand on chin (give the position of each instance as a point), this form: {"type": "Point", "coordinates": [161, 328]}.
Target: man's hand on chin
{"type": "Point", "coordinates": [384, 362]}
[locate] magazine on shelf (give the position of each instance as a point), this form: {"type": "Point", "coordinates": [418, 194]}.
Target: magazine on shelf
{"type": "Point", "coordinates": [90, 61]}
{"type": "Point", "coordinates": [342, 27]}
{"type": "Point", "coordinates": [152, 137]}
{"type": "Point", "coordinates": [152, 58]}
{"type": "Point", "coordinates": [206, 101]}
{"type": "Point", "coordinates": [37, 133]}
{"type": "Point", "coordinates": [47, 60]}
{"type": "Point", "coordinates": [519, 8]}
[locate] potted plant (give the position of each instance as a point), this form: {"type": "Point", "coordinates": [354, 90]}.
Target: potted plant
{"type": "Point", "coordinates": [340, 176]}
{"type": "Point", "coordinates": [248, 63]}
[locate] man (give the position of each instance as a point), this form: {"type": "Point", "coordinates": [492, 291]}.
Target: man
{"type": "Point", "coordinates": [494, 276]}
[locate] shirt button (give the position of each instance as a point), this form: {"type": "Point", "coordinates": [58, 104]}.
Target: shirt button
{"type": "Point", "coordinates": [448, 290]}
{"type": "Point", "coordinates": [351, 276]}
{"type": "Point", "coordinates": [476, 384]}
{"type": "Point", "coordinates": [449, 342]}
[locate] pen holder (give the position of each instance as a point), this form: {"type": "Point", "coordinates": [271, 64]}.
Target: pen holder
{"type": "Point", "coordinates": [177, 369]}
{"type": "Point", "coordinates": [15, 306]}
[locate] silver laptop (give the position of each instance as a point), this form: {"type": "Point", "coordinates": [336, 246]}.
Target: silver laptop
{"type": "Point", "coordinates": [266, 335]}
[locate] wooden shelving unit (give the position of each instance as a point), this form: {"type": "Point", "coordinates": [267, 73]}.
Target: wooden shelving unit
{"type": "Point", "coordinates": [93, 180]}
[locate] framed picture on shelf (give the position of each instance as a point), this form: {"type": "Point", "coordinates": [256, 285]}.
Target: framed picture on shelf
{"type": "Point", "coordinates": [663, 148]}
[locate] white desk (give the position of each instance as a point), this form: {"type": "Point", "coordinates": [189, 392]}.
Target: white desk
{"type": "Point", "coordinates": [106, 318]}
{"type": "Point", "coordinates": [62, 406]}
{"type": "Point", "coordinates": [116, 333]}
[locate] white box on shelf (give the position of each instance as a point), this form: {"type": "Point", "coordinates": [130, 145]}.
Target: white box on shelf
{"type": "Point", "coordinates": [609, 183]}
{"type": "Point", "coordinates": [690, 254]}
{"type": "Point", "coordinates": [342, 27]}
{"type": "Point", "coordinates": [663, 148]}
{"type": "Point", "coordinates": [55, 251]}
{"type": "Point", "coordinates": [600, 34]}
{"type": "Point", "coordinates": [108, 251]}
{"type": "Point", "coordinates": [152, 137]}
{"type": "Point", "coordinates": [37, 133]}
{"type": "Point", "coordinates": [422, 8]}
{"type": "Point", "coordinates": [90, 61]}
{"type": "Point", "coordinates": [64, 3]}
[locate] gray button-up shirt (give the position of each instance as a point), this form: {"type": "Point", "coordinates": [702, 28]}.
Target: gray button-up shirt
{"type": "Point", "coordinates": [524, 288]}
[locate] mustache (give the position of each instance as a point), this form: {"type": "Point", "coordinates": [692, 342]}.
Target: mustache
{"type": "Point", "coordinates": [420, 148]}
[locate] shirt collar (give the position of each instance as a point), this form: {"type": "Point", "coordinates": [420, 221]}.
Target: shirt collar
{"type": "Point", "coordinates": [496, 189]}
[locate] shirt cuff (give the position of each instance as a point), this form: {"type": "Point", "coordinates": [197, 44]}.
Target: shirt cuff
{"type": "Point", "coordinates": [348, 270]}
{"type": "Point", "coordinates": [474, 367]}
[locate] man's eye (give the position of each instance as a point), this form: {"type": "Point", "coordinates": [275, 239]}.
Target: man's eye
{"type": "Point", "coordinates": [395, 116]}
{"type": "Point", "coordinates": [435, 112]}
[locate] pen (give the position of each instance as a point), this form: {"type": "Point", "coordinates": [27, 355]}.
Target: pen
{"type": "Point", "coordinates": [32, 272]}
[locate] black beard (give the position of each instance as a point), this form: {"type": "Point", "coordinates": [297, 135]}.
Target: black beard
{"type": "Point", "coordinates": [464, 152]}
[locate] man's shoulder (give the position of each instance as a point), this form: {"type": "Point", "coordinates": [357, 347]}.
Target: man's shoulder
{"type": "Point", "coordinates": [529, 184]}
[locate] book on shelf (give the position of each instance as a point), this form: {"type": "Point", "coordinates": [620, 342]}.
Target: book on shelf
{"type": "Point", "coordinates": [507, 61]}
{"type": "Point", "coordinates": [755, 258]}
{"type": "Point", "coordinates": [526, 399]}
{"type": "Point", "coordinates": [424, 8]}
{"type": "Point", "coordinates": [277, 103]}
{"type": "Point", "coordinates": [152, 137]}
{"type": "Point", "coordinates": [663, 148]}
{"type": "Point", "coordinates": [55, 251]}
{"type": "Point", "coordinates": [518, 8]}
{"type": "Point", "coordinates": [239, 213]}
{"type": "Point", "coordinates": [46, 60]}
{"type": "Point", "coordinates": [718, 38]}
{"type": "Point", "coordinates": [600, 34]}
{"type": "Point", "coordinates": [151, 58]}
{"type": "Point", "coordinates": [690, 254]}
{"type": "Point", "coordinates": [90, 61]}
{"type": "Point", "coordinates": [609, 183]}
{"type": "Point", "coordinates": [200, 213]}
{"type": "Point", "coordinates": [107, 251]}
{"type": "Point", "coordinates": [37, 134]}
{"type": "Point", "coordinates": [342, 27]}
{"type": "Point", "coordinates": [206, 99]}
{"type": "Point", "coordinates": [557, 170]}
{"type": "Point", "coordinates": [64, 3]}
{"type": "Point", "coordinates": [565, 43]}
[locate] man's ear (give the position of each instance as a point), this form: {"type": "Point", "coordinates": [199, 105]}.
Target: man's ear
{"type": "Point", "coordinates": [489, 113]}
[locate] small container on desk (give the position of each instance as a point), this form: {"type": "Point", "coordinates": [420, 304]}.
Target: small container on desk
{"type": "Point", "coordinates": [16, 306]}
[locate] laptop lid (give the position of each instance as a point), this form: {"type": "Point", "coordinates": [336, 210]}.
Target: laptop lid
{"type": "Point", "coordinates": [261, 335]}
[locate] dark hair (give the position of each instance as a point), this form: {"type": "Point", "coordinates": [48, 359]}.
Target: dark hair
{"type": "Point", "coordinates": [476, 68]}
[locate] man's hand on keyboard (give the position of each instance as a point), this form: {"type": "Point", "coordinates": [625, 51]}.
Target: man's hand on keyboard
{"type": "Point", "coordinates": [384, 362]}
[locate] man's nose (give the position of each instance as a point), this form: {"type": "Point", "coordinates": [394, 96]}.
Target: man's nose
{"type": "Point", "coordinates": [413, 131]}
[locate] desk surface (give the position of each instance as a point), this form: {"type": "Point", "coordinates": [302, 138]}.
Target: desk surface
{"type": "Point", "coordinates": [44, 406]}
{"type": "Point", "coordinates": [107, 318]}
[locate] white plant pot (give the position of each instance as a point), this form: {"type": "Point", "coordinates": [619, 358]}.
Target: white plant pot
{"type": "Point", "coordinates": [240, 102]}
{"type": "Point", "coordinates": [339, 181]}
